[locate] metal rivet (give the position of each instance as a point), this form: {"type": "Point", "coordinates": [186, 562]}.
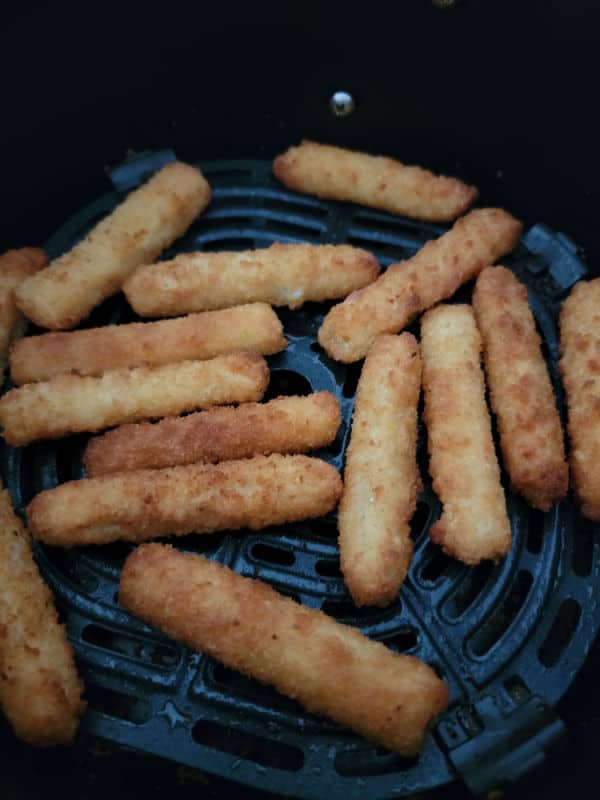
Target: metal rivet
{"type": "Point", "coordinates": [341, 104]}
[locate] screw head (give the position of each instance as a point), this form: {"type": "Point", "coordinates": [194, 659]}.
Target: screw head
{"type": "Point", "coordinates": [341, 104]}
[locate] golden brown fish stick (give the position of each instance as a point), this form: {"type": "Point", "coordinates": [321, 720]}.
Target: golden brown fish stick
{"type": "Point", "coordinates": [71, 403]}
{"type": "Point", "coordinates": [412, 286]}
{"type": "Point", "coordinates": [338, 174]}
{"type": "Point", "coordinates": [580, 368]}
{"type": "Point", "coordinates": [462, 461]}
{"type": "Point", "coordinates": [381, 478]}
{"type": "Point", "coordinates": [521, 394]}
{"type": "Point", "coordinates": [40, 692]}
{"type": "Point", "coordinates": [195, 498]}
{"type": "Point", "coordinates": [282, 275]}
{"type": "Point", "coordinates": [15, 267]}
{"type": "Point", "coordinates": [330, 668]}
{"type": "Point", "coordinates": [136, 232]}
{"type": "Point", "coordinates": [284, 425]}
{"type": "Point", "coordinates": [252, 328]}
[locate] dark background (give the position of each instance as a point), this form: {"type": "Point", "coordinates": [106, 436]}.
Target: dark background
{"type": "Point", "coordinates": [503, 92]}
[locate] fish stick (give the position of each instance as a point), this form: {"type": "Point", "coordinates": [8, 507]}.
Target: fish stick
{"type": "Point", "coordinates": [136, 232]}
{"type": "Point", "coordinates": [282, 275]}
{"type": "Point", "coordinates": [521, 395]}
{"type": "Point", "coordinates": [338, 174]}
{"type": "Point", "coordinates": [330, 668]}
{"type": "Point", "coordinates": [40, 692]}
{"type": "Point", "coordinates": [195, 498]}
{"type": "Point", "coordinates": [381, 478]}
{"type": "Point", "coordinates": [72, 403]}
{"type": "Point", "coordinates": [580, 369]}
{"type": "Point", "coordinates": [412, 286]}
{"type": "Point", "coordinates": [284, 425]}
{"type": "Point", "coordinates": [251, 328]}
{"type": "Point", "coordinates": [15, 267]}
{"type": "Point", "coordinates": [462, 460]}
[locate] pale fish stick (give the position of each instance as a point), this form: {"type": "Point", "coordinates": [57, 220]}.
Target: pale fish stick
{"type": "Point", "coordinates": [381, 478]}
{"type": "Point", "coordinates": [136, 232]}
{"type": "Point", "coordinates": [195, 498]}
{"type": "Point", "coordinates": [15, 267]}
{"type": "Point", "coordinates": [72, 403]}
{"type": "Point", "coordinates": [580, 369]}
{"type": "Point", "coordinates": [251, 328]}
{"type": "Point", "coordinates": [328, 667]}
{"type": "Point", "coordinates": [284, 425]}
{"type": "Point", "coordinates": [521, 394]}
{"type": "Point", "coordinates": [282, 275]}
{"type": "Point", "coordinates": [339, 174]}
{"type": "Point", "coordinates": [462, 461]}
{"type": "Point", "coordinates": [40, 692]}
{"type": "Point", "coordinates": [410, 287]}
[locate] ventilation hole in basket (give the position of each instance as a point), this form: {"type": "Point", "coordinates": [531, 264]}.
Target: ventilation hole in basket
{"type": "Point", "coordinates": [273, 555]}
{"type": "Point", "coordinates": [535, 531]}
{"type": "Point", "coordinates": [517, 689]}
{"type": "Point", "coordinates": [437, 566]}
{"type": "Point", "coordinates": [561, 632]}
{"type": "Point", "coordinates": [216, 223]}
{"type": "Point", "coordinates": [403, 640]}
{"type": "Point", "coordinates": [328, 568]}
{"type": "Point", "coordinates": [498, 624]}
{"type": "Point", "coordinates": [237, 685]}
{"type": "Point", "coordinates": [327, 528]}
{"type": "Point", "coordinates": [286, 382]}
{"type": "Point", "coordinates": [230, 243]}
{"type": "Point", "coordinates": [245, 745]}
{"type": "Point", "coordinates": [470, 589]}
{"type": "Point", "coordinates": [288, 206]}
{"type": "Point", "coordinates": [351, 380]}
{"type": "Point", "coordinates": [115, 704]}
{"type": "Point", "coordinates": [364, 763]}
{"type": "Point", "coordinates": [160, 655]}
{"type": "Point", "coordinates": [67, 565]}
{"type": "Point", "coordinates": [583, 548]}
{"type": "Point", "coordinates": [114, 553]}
{"type": "Point", "coordinates": [222, 173]}
{"type": "Point", "coordinates": [420, 519]}
{"type": "Point", "coordinates": [346, 610]}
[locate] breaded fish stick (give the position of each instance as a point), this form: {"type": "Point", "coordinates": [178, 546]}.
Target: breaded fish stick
{"type": "Point", "coordinates": [580, 369]}
{"type": "Point", "coordinates": [462, 461]}
{"type": "Point", "coordinates": [284, 425]}
{"type": "Point", "coordinates": [338, 174]}
{"type": "Point", "coordinates": [330, 668]}
{"type": "Point", "coordinates": [412, 286]}
{"type": "Point", "coordinates": [195, 498]}
{"type": "Point", "coordinates": [252, 328]}
{"type": "Point", "coordinates": [136, 232]}
{"type": "Point", "coordinates": [15, 267]}
{"type": "Point", "coordinates": [40, 692]}
{"type": "Point", "coordinates": [381, 478]}
{"type": "Point", "coordinates": [282, 275]}
{"type": "Point", "coordinates": [71, 403]}
{"type": "Point", "coordinates": [521, 394]}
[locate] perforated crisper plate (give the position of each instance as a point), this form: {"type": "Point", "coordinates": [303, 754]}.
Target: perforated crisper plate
{"type": "Point", "coordinates": [509, 638]}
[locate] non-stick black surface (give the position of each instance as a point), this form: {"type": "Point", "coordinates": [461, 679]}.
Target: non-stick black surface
{"type": "Point", "coordinates": [509, 638]}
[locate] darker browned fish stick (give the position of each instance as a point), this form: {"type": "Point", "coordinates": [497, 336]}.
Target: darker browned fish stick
{"type": "Point", "coordinates": [521, 394]}
{"type": "Point", "coordinates": [330, 668]}
{"type": "Point", "coordinates": [284, 425]}
{"type": "Point", "coordinates": [194, 498]}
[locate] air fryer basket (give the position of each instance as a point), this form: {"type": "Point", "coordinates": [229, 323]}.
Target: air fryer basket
{"type": "Point", "coordinates": [509, 638]}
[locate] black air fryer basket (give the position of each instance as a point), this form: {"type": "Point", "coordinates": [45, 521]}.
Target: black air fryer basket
{"type": "Point", "coordinates": [130, 90]}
